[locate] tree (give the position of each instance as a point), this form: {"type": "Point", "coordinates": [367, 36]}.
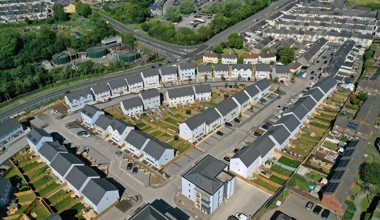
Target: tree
{"type": "Point", "coordinates": [235, 41]}
{"type": "Point", "coordinates": [83, 9]}
{"type": "Point", "coordinates": [128, 39]}
{"type": "Point", "coordinates": [363, 96]}
{"type": "Point", "coordinates": [265, 50]}
{"type": "Point", "coordinates": [286, 54]}
{"type": "Point", "coordinates": [59, 13]}
{"type": "Point", "coordinates": [10, 45]}
{"type": "Point", "coordinates": [187, 7]}
{"type": "Point", "coordinates": [218, 49]}
{"type": "Point", "coordinates": [27, 20]}
{"type": "Point", "coordinates": [172, 14]}
{"type": "Point", "coordinates": [225, 85]}
{"type": "Point", "coordinates": [370, 173]}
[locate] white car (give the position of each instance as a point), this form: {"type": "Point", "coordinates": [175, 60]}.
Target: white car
{"type": "Point", "coordinates": [241, 216]}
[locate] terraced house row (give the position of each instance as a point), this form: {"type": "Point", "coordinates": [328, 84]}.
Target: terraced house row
{"type": "Point", "coordinates": [249, 159]}
{"type": "Point", "coordinates": [123, 134]}
{"type": "Point", "coordinates": [96, 191]}
{"type": "Point", "coordinates": [202, 124]}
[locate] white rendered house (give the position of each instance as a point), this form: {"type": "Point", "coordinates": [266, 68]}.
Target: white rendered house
{"type": "Point", "coordinates": [79, 99]}
{"type": "Point", "coordinates": [118, 88]}
{"type": "Point", "coordinates": [180, 96]}
{"type": "Point", "coordinates": [135, 83]}
{"type": "Point", "coordinates": [101, 92]}
{"type": "Point", "coordinates": [90, 114]}
{"type": "Point", "coordinates": [151, 78]}
{"type": "Point", "coordinates": [186, 71]}
{"type": "Point", "coordinates": [168, 74]}
{"type": "Point", "coordinates": [242, 71]}
{"type": "Point", "coordinates": [37, 137]}
{"type": "Point", "coordinates": [132, 106]}
{"type": "Point", "coordinates": [150, 98]}
{"type": "Point", "coordinates": [202, 92]}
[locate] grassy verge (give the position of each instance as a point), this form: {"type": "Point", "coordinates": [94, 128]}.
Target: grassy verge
{"type": "Point", "coordinates": [26, 197]}
{"type": "Point", "coordinates": [283, 171]}
{"type": "Point", "coordinates": [314, 176]}
{"type": "Point", "coordinates": [277, 179]}
{"type": "Point", "coordinates": [48, 189]}
{"type": "Point", "coordinates": [63, 204]}
{"type": "Point", "coordinates": [183, 148]}
{"type": "Point", "coordinates": [265, 185]}
{"type": "Point", "coordinates": [289, 162]}
{"type": "Point", "coordinates": [299, 181]}
{"type": "Point", "coordinates": [350, 211]}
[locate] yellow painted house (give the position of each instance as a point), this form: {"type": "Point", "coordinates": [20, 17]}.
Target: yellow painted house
{"type": "Point", "coordinates": [70, 9]}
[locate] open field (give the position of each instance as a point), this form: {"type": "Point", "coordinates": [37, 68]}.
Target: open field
{"type": "Point", "coordinates": [374, 4]}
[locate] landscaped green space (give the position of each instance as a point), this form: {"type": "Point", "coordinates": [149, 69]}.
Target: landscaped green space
{"type": "Point", "coordinates": [265, 185]}
{"type": "Point", "coordinates": [168, 126]}
{"type": "Point", "coordinates": [63, 204]}
{"type": "Point", "coordinates": [14, 172]}
{"type": "Point", "coordinates": [37, 172]}
{"type": "Point", "coordinates": [148, 129]}
{"type": "Point", "coordinates": [276, 168]}
{"type": "Point", "coordinates": [53, 198]}
{"type": "Point", "coordinates": [183, 118]}
{"type": "Point", "coordinates": [49, 188]}
{"type": "Point", "coordinates": [78, 207]}
{"type": "Point", "coordinates": [165, 137]}
{"type": "Point", "coordinates": [298, 181]}
{"type": "Point", "coordinates": [289, 162]}
{"type": "Point", "coordinates": [314, 176]}
{"type": "Point", "coordinates": [42, 181]}
{"type": "Point", "coordinates": [183, 147]}
{"type": "Point", "coordinates": [350, 210]}
{"type": "Point", "coordinates": [30, 166]}
{"type": "Point", "coordinates": [330, 145]}
{"type": "Point", "coordinates": [171, 120]}
{"type": "Point", "coordinates": [374, 4]}
{"type": "Point", "coordinates": [173, 142]}
{"type": "Point", "coordinates": [239, 52]}
{"type": "Point", "coordinates": [26, 197]}
{"type": "Point", "coordinates": [319, 125]}
{"type": "Point", "coordinates": [156, 133]}
{"type": "Point", "coordinates": [277, 179]}
{"type": "Point", "coordinates": [41, 212]}
{"type": "Point", "coordinates": [140, 125]}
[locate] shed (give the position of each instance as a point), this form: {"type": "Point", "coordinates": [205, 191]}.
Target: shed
{"type": "Point", "coordinates": [128, 56]}
{"type": "Point", "coordinates": [96, 52]}
{"type": "Point", "coordinates": [60, 58]}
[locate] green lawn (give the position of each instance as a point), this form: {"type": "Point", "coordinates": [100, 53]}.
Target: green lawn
{"type": "Point", "coordinates": [277, 179]}
{"type": "Point", "coordinates": [171, 120]}
{"type": "Point", "coordinates": [42, 181]}
{"type": "Point", "coordinates": [30, 166]}
{"type": "Point", "coordinates": [165, 137]}
{"type": "Point", "coordinates": [148, 129]}
{"type": "Point", "coordinates": [298, 180]}
{"type": "Point", "coordinates": [350, 211]}
{"type": "Point", "coordinates": [38, 172]}
{"type": "Point", "coordinates": [14, 172]}
{"type": "Point", "coordinates": [48, 189]}
{"type": "Point", "coordinates": [169, 126]}
{"type": "Point", "coordinates": [374, 4]}
{"type": "Point", "coordinates": [56, 196]}
{"type": "Point", "coordinates": [314, 176]}
{"type": "Point", "coordinates": [173, 142]}
{"type": "Point", "coordinates": [280, 170]}
{"type": "Point", "coordinates": [238, 51]}
{"type": "Point", "coordinates": [182, 148]}
{"type": "Point", "coordinates": [265, 185]}
{"type": "Point", "coordinates": [26, 197]}
{"type": "Point", "coordinates": [78, 207]}
{"type": "Point", "coordinates": [140, 125]}
{"type": "Point", "coordinates": [180, 116]}
{"type": "Point", "coordinates": [63, 204]}
{"type": "Point", "coordinates": [289, 162]}
{"type": "Point", "coordinates": [330, 145]}
{"type": "Point", "coordinates": [155, 133]}
{"type": "Point", "coordinates": [41, 212]}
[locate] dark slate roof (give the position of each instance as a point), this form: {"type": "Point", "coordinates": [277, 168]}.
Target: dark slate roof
{"type": "Point", "coordinates": [168, 70]}
{"type": "Point", "coordinates": [156, 148]}
{"type": "Point", "coordinates": [151, 93]}
{"type": "Point", "coordinates": [50, 149]}
{"type": "Point", "coordinates": [204, 174]}
{"type": "Point", "coordinates": [263, 67]}
{"type": "Point", "coordinates": [90, 110]}
{"type": "Point", "coordinates": [267, 55]}
{"type": "Point", "coordinates": [279, 133]}
{"type": "Point", "coordinates": [8, 125]}
{"type": "Point", "coordinates": [96, 188]}
{"type": "Point", "coordinates": [306, 102]}
{"type": "Point", "coordinates": [298, 110]}
{"type": "Point", "coordinates": [63, 162]}
{"type": "Point", "coordinates": [194, 121]}
{"type": "Point", "coordinates": [117, 83]}
{"type": "Point", "coordinates": [241, 97]}
{"type": "Point", "coordinates": [252, 90]}
{"type": "Point", "coordinates": [119, 125]}
{"type": "Point", "coordinates": [282, 69]}
{"type": "Point", "coordinates": [204, 68]}
{"type": "Point", "coordinates": [221, 67]}
{"type": "Point", "coordinates": [210, 115]}
{"type": "Point", "coordinates": [77, 95]}
{"type": "Point", "coordinates": [204, 88]}
{"type": "Point", "coordinates": [134, 79]}
{"type": "Point", "coordinates": [79, 174]}
{"type": "Point", "coordinates": [186, 66]}
{"type": "Point", "coordinates": [149, 212]}
{"type": "Point", "coordinates": [150, 72]}
{"type": "Point", "coordinates": [103, 121]}
{"type": "Point", "coordinates": [263, 84]}
{"type": "Point", "coordinates": [36, 134]}
{"type": "Point", "coordinates": [132, 103]}
{"type": "Point", "coordinates": [242, 66]}
{"type": "Point", "coordinates": [369, 109]}
{"type": "Point", "coordinates": [136, 138]}
{"type": "Point", "coordinates": [101, 88]}
{"type": "Point", "coordinates": [315, 93]}
{"type": "Point", "coordinates": [4, 184]}
{"type": "Point", "coordinates": [259, 147]}
{"type": "Point", "coordinates": [325, 84]}
{"type": "Point", "coordinates": [229, 56]}
{"type": "Point", "coordinates": [180, 92]}
{"type": "Point", "coordinates": [289, 121]}
{"type": "Point", "coordinates": [226, 106]}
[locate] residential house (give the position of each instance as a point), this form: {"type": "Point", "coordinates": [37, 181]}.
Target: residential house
{"type": "Point", "coordinates": [156, 211]}
{"type": "Point", "coordinates": [79, 176]}
{"type": "Point", "coordinates": [281, 72]}
{"type": "Point", "coordinates": [102, 123]}
{"type": "Point", "coordinates": [212, 119]}
{"type": "Point", "coordinates": [79, 99]}
{"type": "Point", "coordinates": [158, 153]}
{"type": "Point", "coordinates": [221, 71]}
{"type": "Point", "coordinates": [132, 106]}
{"type": "Point", "coordinates": [229, 58]}
{"type": "Point", "coordinates": [118, 130]}
{"type": "Point", "coordinates": [279, 135]}
{"type": "Point", "coordinates": [291, 123]}
{"type": "Point", "coordinates": [193, 128]}
{"type": "Point", "coordinates": [135, 83]}
{"type": "Point", "coordinates": [180, 96]}
{"type": "Point", "coordinates": [263, 85]}
{"type": "Point", "coordinates": [49, 150]}
{"type": "Point", "coordinates": [168, 74]}
{"type": "Point", "coordinates": [227, 109]}
{"type": "Point", "coordinates": [118, 87]}
{"type": "Point", "coordinates": [208, 184]}
{"type": "Point", "coordinates": [209, 57]}
{"type": "Point", "coordinates": [37, 137]}
{"type": "Point", "coordinates": [150, 98]}
{"type": "Point", "coordinates": [9, 130]}
{"type": "Point", "coordinates": [242, 100]}
{"type": "Point", "coordinates": [250, 58]}
{"type": "Point", "coordinates": [370, 86]}
{"type": "Point", "coordinates": [267, 58]}
{"type": "Point", "coordinates": [313, 52]}
{"type": "Point", "coordinates": [295, 66]}
{"type": "Point", "coordinates": [204, 71]}
{"type": "Point", "coordinates": [90, 114]}
{"type": "Point", "coordinates": [343, 176]}
{"type": "Point", "coordinates": [262, 71]}
{"type": "Point", "coordinates": [151, 78]}
{"type": "Point", "coordinates": [69, 9]}
{"type": "Point", "coordinates": [108, 41]}
{"type": "Point", "coordinates": [241, 71]}
{"type": "Point", "coordinates": [253, 93]}
{"type": "Point", "coordinates": [136, 141]}
{"type": "Point", "coordinates": [186, 71]}
{"type": "Point", "coordinates": [5, 191]}
{"type": "Point", "coordinates": [100, 194]}
{"type": "Point", "coordinates": [202, 92]}
{"type": "Point", "coordinates": [63, 163]}
{"type": "Point", "coordinates": [101, 92]}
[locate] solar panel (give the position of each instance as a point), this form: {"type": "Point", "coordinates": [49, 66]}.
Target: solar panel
{"type": "Point", "coordinates": [337, 175]}
{"type": "Point", "coordinates": [331, 187]}
{"type": "Point", "coordinates": [348, 153]}
{"type": "Point", "coordinates": [352, 125]}
{"type": "Point", "coordinates": [343, 163]}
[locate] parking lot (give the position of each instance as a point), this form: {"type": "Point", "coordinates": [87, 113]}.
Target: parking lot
{"type": "Point", "coordinates": [294, 206]}
{"type": "Point", "coordinates": [321, 63]}
{"type": "Point", "coordinates": [189, 21]}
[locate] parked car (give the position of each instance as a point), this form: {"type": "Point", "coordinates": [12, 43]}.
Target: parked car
{"type": "Point", "coordinates": [309, 205]}
{"type": "Point", "coordinates": [257, 134]}
{"type": "Point", "coordinates": [227, 124]}
{"type": "Point", "coordinates": [135, 170]}
{"type": "Point", "coordinates": [241, 216]}
{"type": "Point", "coordinates": [227, 159]}
{"type": "Point", "coordinates": [236, 120]}
{"type": "Point", "coordinates": [129, 166]}
{"type": "Point", "coordinates": [269, 124]}
{"type": "Point", "coordinates": [219, 133]}
{"type": "Point", "coordinates": [118, 153]}
{"type": "Point", "coordinates": [83, 133]}
{"type": "Point", "coordinates": [325, 214]}
{"type": "Point", "coordinates": [265, 127]}
{"type": "Point", "coordinates": [236, 150]}
{"type": "Point", "coordinates": [317, 209]}
{"type": "Point", "coordinates": [312, 78]}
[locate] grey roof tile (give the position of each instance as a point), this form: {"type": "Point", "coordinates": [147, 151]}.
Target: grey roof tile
{"type": "Point", "coordinates": [137, 138]}
{"type": "Point", "coordinates": [226, 106]}
{"type": "Point", "coordinates": [8, 125]}
{"type": "Point", "coordinates": [79, 174]}
{"type": "Point", "coordinates": [151, 93]}
{"type": "Point", "coordinates": [77, 95]}
{"type": "Point", "coordinates": [252, 90]}
{"type": "Point", "coordinates": [90, 110]}
{"type": "Point", "coordinates": [289, 121]}
{"type": "Point", "coordinates": [132, 103]}
{"type": "Point", "coordinates": [263, 84]}
{"type": "Point", "coordinates": [279, 133]}
{"type": "Point", "coordinates": [204, 88]}
{"type": "Point", "coordinates": [180, 92]}
{"type": "Point", "coordinates": [103, 121]}
{"type": "Point", "coordinates": [241, 97]}
{"type": "Point", "coordinates": [101, 88]}
{"type": "Point", "coordinates": [241, 66]}
{"type": "Point", "coordinates": [63, 162]}
{"type": "Point", "coordinates": [282, 69]}
{"type": "Point", "coordinates": [186, 66]}
{"type": "Point", "coordinates": [134, 79]}
{"type": "Point", "coordinates": [204, 68]}
{"type": "Point", "coordinates": [156, 148]}
{"type": "Point", "coordinates": [150, 72]}
{"type": "Point", "coordinates": [96, 188]}
{"type": "Point", "coordinates": [168, 70]}
{"type": "Point", "coordinates": [262, 67]}
{"type": "Point", "coordinates": [221, 67]}
{"type": "Point", "coordinates": [119, 83]}
{"type": "Point", "coordinates": [36, 134]}
{"type": "Point", "coordinates": [50, 149]}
